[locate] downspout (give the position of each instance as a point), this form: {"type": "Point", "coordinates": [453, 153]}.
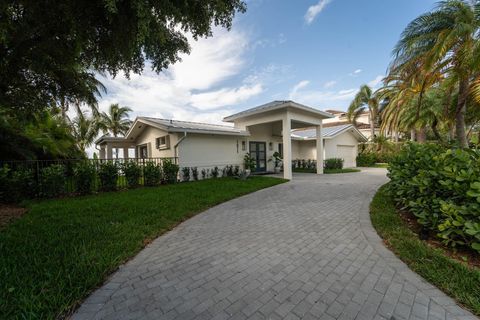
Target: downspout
{"type": "Point", "coordinates": [175, 147]}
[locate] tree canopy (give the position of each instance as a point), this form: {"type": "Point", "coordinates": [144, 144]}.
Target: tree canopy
{"type": "Point", "coordinates": [51, 50]}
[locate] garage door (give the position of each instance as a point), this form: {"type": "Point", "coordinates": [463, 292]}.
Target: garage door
{"type": "Point", "coordinates": [347, 153]}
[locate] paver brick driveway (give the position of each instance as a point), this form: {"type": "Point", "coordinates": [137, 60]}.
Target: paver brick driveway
{"type": "Point", "coordinates": [301, 250]}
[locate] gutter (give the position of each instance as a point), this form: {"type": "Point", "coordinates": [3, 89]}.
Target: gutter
{"type": "Point", "coordinates": [175, 147]}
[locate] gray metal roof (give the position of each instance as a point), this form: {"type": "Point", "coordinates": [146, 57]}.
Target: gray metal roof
{"type": "Point", "coordinates": [181, 126]}
{"type": "Point", "coordinates": [276, 105]}
{"type": "Point", "coordinates": [327, 133]}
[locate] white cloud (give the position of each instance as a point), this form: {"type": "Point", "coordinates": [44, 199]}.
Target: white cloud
{"type": "Point", "coordinates": [357, 71]}
{"type": "Point", "coordinates": [297, 87]}
{"type": "Point", "coordinates": [314, 11]}
{"type": "Point", "coordinates": [224, 97]}
{"type": "Point", "coordinates": [375, 82]}
{"type": "Point", "coordinates": [329, 84]}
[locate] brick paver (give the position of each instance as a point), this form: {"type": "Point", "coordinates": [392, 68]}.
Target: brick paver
{"type": "Point", "coordinates": [302, 250]}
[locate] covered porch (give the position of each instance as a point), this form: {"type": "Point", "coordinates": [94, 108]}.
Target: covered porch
{"type": "Point", "coordinates": [106, 145]}
{"type": "Point", "coordinates": [274, 122]}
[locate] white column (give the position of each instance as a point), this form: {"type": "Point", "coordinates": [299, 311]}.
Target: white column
{"type": "Point", "coordinates": [109, 151]}
{"type": "Point", "coordinates": [125, 152]}
{"type": "Point", "coordinates": [287, 146]}
{"type": "Point", "coordinates": [102, 152]}
{"type": "Point", "coordinates": [319, 150]}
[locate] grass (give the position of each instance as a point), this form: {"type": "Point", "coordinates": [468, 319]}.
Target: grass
{"type": "Point", "coordinates": [326, 171]}
{"type": "Point", "coordinates": [455, 278]}
{"type": "Point", "coordinates": [62, 249]}
{"type": "Point", "coordinates": [381, 165]}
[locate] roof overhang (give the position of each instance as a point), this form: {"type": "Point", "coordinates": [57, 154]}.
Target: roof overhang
{"type": "Point", "coordinates": [360, 137]}
{"type": "Point", "coordinates": [278, 106]}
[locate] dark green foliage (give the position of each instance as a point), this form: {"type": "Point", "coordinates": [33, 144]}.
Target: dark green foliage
{"type": "Point", "coordinates": [215, 172]}
{"type": "Point", "coordinates": [185, 174]}
{"type": "Point", "coordinates": [453, 277]}
{"type": "Point", "coordinates": [58, 253]}
{"type": "Point", "coordinates": [441, 187]}
{"type": "Point", "coordinates": [333, 163]}
{"type": "Point", "coordinates": [52, 181]}
{"type": "Point", "coordinates": [205, 173]}
{"type": "Point", "coordinates": [170, 171]}
{"type": "Point", "coordinates": [366, 159]}
{"type": "Point", "coordinates": [84, 175]}
{"type": "Point", "coordinates": [133, 173]}
{"type": "Point", "coordinates": [248, 162]}
{"type": "Point", "coordinates": [52, 51]}
{"type": "Point", "coordinates": [108, 175]}
{"type": "Point", "coordinates": [4, 183]}
{"type": "Point", "coordinates": [152, 174]}
{"type": "Point", "coordinates": [21, 185]}
{"type": "Point", "coordinates": [236, 171]}
{"type": "Point", "coordinates": [195, 173]}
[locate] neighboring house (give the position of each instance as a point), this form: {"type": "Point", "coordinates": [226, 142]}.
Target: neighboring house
{"type": "Point", "coordinates": [258, 131]}
{"type": "Point", "coordinates": [363, 122]}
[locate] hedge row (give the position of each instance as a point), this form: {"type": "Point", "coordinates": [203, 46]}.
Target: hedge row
{"type": "Point", "coordinates": [441, 187]}
{"type": "Point", "coordinates": [331, 163]}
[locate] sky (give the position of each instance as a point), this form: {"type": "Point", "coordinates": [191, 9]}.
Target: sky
{"type": "Point", "coordinates": [315, 52]}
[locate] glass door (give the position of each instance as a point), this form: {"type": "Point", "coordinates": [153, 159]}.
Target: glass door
{"type": "Point", "coordinates": [258, 152]}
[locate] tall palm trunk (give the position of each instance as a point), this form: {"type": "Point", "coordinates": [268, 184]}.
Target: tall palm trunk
{"type": "Point", "coordinates": [460, 113]}
{"type": "Point", "coordinates": [372, 125]}
{"type": "Point", "coordinates": [413, 134]}
{"type": "Point", "coordinates": [422, 135]}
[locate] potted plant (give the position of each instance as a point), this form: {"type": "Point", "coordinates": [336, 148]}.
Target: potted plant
{"type": "Point", "coordinates": [249, 163]}
{"type": "Point", "coordinates": [277, 161]}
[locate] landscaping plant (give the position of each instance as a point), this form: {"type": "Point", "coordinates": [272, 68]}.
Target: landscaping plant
{"type": "Point", "coordinates": [52, 181]}
{"type": "Point", "coordinates": [170, 171]}
{"type": "Point", "coordinates": [333, 163]}
{"type": "Point", "coordinates": [249, 162]}
{"type": "Point", "coordinates": [195, 173]}
{"type": "Point", "coordinates": [152, 174]}
{"type": "Point", "coordinates": [215, 172]}
{"type": "Point", "coordinates": [108, 175]}
{"type": "Point", "coordinates": [84, 175]}
{"type": "Point", "coordinates": [133, 173]}
{"type": "Point", "coordinates": [185, 174]}
{"type": "Point", "coordinates": [441, 187]}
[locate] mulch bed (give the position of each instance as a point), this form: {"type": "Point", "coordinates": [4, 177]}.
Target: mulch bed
{"type": "Point", "coordinates": [464, 255]}
{"type": "Point", "coordinates": [8, 213]}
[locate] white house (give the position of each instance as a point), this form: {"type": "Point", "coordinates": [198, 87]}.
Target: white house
{"type": "Point", "coordinates": [258, 131]}
{"type": "Point", "coordinates": [363, 122]}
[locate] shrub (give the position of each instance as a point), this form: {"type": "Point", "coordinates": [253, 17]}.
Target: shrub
{"type": "Point", "coordinates": [52, 181]}
{"type": "Point", "coordinates": [84, 177]}
{"type": "Point", "coordinates": [108, 174]}
{"type": "Point", "coordinates": [249, 162]}
{"type": "Point", "coordinates": [170, 171]}
{"type": "Point", "coordinates": [205, 173]}
{"type": "Point", "coordinates": [215, 172]}
{"type": "Point", "coordinates": [185, 174]}
{"type": "Point", "coordinates": [333, 163]}
{"type": "Point", "coordinates": [366, 159]}
{"type": "Point", "coordinates": [22, 185]}
{"type": "Point", "coordinates": [152, 174]}
{"type": "Point", "coordinates": [236, 171]}
{"type": "Point", "coordinates": [133, 173]}
{"type": "Point", "coordinates": [4, 183]}
{"type": "Point", "coordinates": [195, 173]}
{"type": "Point", "coordinates": [441, 187]}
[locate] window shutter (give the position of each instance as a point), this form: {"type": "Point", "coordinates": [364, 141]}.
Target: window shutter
{"type": "Point", "coordinates": [157, 143]}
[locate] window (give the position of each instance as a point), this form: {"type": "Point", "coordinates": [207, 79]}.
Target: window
{"type": "Point", "coordinates": [162, 142]}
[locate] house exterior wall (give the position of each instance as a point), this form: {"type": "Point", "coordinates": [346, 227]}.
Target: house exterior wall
{"type": "Point", "coordinates": [207, 151]}
{"type": "Point", "coordinates": [148, 136]}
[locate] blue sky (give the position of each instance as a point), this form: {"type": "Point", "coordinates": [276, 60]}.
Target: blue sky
{"type": "Point", "coordinates": [316, 52]}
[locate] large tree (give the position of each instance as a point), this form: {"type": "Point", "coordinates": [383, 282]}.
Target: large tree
{"type": "Point", "coordinates": [365, 99]}
{"type": "Point", "coordinates": [116, 120]}
{"type": "Point", "coordinates": [50, 50]}
{"type": "Point", "coordinates": [446, 39]}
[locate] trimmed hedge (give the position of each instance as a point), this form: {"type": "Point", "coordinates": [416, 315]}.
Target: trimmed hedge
{"type": "Point", "coordinates": [441, 187]}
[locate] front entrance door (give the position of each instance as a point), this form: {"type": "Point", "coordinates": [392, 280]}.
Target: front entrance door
{"type": "Point", "coordinates": [258, 152]}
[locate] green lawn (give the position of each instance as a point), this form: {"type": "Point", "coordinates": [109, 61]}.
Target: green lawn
{"type": "Point", "coordinates": [326, 171]}
{"type": "Point", "coordinates": [453, 277]}
{"type": "Point", "coordinates": [62, 249]}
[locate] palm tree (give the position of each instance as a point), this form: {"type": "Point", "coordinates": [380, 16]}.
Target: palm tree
{"type": "Point", "coordinates": [85, 129]}
{"type": "Point", "coordinates": [446, 39]}
{"type": "Point", "coordinates": [365, 98]}
{"type": "Point", "coordinates": [116, 121]}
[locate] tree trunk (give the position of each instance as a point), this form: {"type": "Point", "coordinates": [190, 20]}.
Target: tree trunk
{"type": "Point", "coordinates": [413, 134]}
{"type": "Point", "coordinates": [435, 130]}
{"type": "Point", "coordinates": [460, 113]}
{"type": "Point", "coordinates": [372, 126]}
{"type": "Point", "coordinates": [422, 135]}
{"type": "Point", "coordinates": [396, 136]}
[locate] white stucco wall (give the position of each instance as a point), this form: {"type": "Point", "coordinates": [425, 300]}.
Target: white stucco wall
{"type": "Point", "coordinates": [269, 132]}
{"type": "Point", "coordinates": [148, 136]}
{"type": "Point", "coordinates": [208, 151]}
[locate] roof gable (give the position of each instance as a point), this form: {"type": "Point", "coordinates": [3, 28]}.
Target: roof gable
{"type": "Point", "coordinates": [328, 132]}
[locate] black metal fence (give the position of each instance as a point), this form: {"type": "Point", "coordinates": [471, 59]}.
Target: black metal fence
{"type": "Point", "coordinates": [60, 175]}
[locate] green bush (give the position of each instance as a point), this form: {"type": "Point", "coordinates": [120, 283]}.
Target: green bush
{"type": "Point", "coordinates": [108, 174]}
{"type": "Point", "coordinates": [441, 187]}
{"type": "Point", "coordinates": [195, 173]}
{"type": "Point", "coordinates": [170, 171]}
{"type": "Point", "coordinates": [52, 181]}
{"type": "Point", "coordinates": [215, 172]}
{"type": "Point", "coordinates": [152, 174]}
{"type": "Point", "coordinates": [185, 174]}
{"type": "Point", "coordinates": [366, 159]}
{"type": "Point", "coordinates": [133, 173]}
{"type": "Point", "coordinates": [333, 163]}
{"type": "Point", "coordinates": [4, 183]}
{"type": "Point", "coordinates": [84, 175]}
